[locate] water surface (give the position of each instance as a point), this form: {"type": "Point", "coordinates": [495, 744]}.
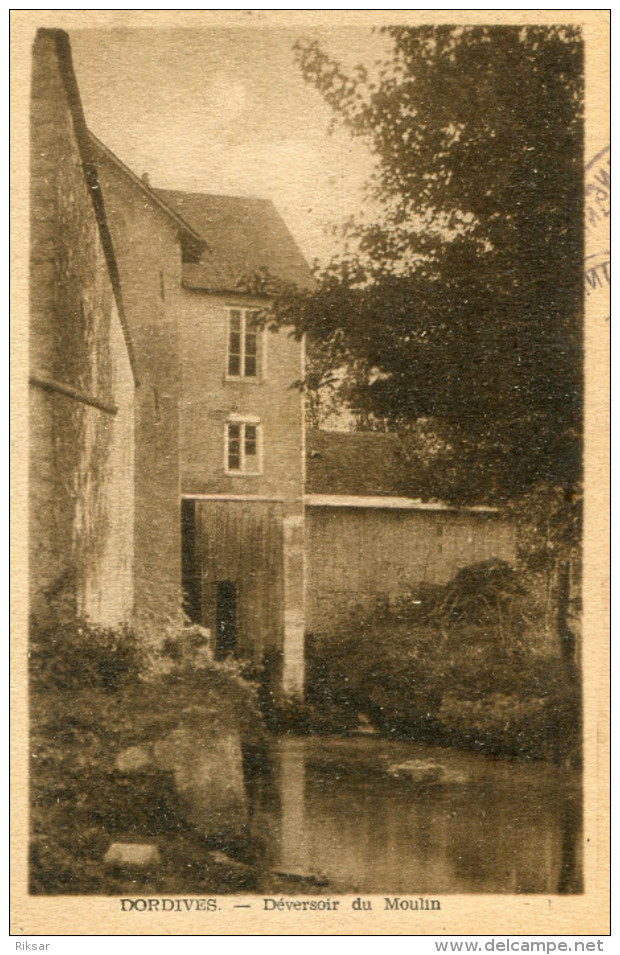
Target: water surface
{"type": "Point", "coordinates": [448, 822]}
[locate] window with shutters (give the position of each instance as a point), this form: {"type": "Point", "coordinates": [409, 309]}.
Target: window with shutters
{"type": "Point", "coordinates": [243, 446]}
{"type": "Point", "coordinates": [244, 339]}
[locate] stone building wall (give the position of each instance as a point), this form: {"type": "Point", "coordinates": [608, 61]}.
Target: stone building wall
{"type": "Point", "coordinates": [209, 399]}
{"type": "Point", "coordinates": [148, 252]}
{"type": "Point", "coordinates": [82, 385]}
{"type": "Point", "coordinates": [247, 530]}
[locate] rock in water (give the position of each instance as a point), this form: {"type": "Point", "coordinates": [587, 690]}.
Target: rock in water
{"type": "Point", "coordinates": [132, 855]}
{"type": "Point", "coordinates": [134, 759]}
{"type": "Point", "coordinates": [364, 726]}
{"type": "Point", "coordinates": [426, 772]}
{"type": "Point", "coordinates": [208, 777]}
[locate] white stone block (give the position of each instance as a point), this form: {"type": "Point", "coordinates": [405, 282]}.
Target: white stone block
{"type": "Point", "coordinates": [132, 855]}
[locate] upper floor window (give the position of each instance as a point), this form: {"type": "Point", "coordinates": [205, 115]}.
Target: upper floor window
{"type": "Point", "coordinates": [243, 446]}
{"type": "Point", "coordinates": [243, 343]}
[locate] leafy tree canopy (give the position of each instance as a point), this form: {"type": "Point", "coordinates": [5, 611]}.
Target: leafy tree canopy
{"type": "Point", "coordinates": [462, 299]}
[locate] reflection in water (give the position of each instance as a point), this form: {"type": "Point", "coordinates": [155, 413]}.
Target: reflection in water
{"type": "Point", "coordinates": [293, 829]}
{"type": "Point", "coordinates": [491, 826]}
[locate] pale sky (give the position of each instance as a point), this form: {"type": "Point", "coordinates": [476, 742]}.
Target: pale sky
{"type": "Point", "coordinates": [227, 111]}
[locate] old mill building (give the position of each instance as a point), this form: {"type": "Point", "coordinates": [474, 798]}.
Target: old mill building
{"type": "Point", "coordinates": [170, 467]}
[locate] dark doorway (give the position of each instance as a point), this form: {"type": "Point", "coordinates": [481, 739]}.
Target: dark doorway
{"type": "Point", "coordinates": [226, 618]}
{"type": "Point", "coordinates": [189, 564]}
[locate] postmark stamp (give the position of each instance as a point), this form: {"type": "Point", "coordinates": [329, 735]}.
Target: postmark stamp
{"type": "Point", "coordinates": [597, 271]}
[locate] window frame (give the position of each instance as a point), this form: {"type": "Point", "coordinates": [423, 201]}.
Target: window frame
{"type": "Point", "coordinates": [245, 312]}
{"type": "Point", "coordinates": [242, 422]}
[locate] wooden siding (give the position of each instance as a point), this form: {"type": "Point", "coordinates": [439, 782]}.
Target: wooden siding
{"type": "Point", "coordinates": [358, 558]}
{"type": "Point", "coordinates": [241, 542]}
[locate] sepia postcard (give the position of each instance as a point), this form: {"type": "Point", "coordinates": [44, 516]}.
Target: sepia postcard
{"type": "Point", "coordinates": [310, 407]}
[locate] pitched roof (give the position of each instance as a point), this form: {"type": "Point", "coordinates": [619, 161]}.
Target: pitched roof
{"type": "Point", "coordinates": [244, 236]}
{"type": "Point", "coordinates": [365, 469]}
{"type": "Point", "coordinates": [358, 462]}
{"type": "Point", "coordinates": [191, 240]}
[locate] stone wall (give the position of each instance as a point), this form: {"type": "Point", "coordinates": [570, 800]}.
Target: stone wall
{"type": "Point", "coordinates": [267, 570]}
{"type": "Point", "coordinates": [148, 253]}
{"type": "Point", "coordinates": [209, 398]}
{"type": "Point", "coordinates": [82, 387]}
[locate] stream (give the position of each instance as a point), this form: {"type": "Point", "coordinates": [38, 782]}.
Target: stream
{"type": "Point", "coordinates": [365, 814]}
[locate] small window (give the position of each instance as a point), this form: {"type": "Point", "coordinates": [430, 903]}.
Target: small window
{"type": "Point", "coordinates": [234, 447]}
{"type": "Point", "coordinates": [243, 447]}
{"type": "Point", "coordinates": [243, 343]}
{"type": "Point", "coordinates": [251, 443]}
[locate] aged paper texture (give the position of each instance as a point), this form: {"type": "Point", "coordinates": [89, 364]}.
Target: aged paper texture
{"type": "Point", "coordinates": [172, 177]}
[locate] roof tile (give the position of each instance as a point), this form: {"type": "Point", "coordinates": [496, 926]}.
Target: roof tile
{"type": "Point", "coordinates": [245, 236]}
{"type": "Point", "coordinates": [356, 462]}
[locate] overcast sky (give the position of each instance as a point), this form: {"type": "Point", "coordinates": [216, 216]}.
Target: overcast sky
{"type": "Point", "coordinates": [227, 111]}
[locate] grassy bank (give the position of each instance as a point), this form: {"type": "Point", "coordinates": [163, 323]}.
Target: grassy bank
{"type": "Point", "coordinates": [93, 694]}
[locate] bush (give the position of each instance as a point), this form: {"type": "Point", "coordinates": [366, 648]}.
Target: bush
{"type": "Point", "coordinates": [72, 656]}
{"type": "Point", "coordinates": [536, 726]}
{"type": "Point", "coordinates": [452, 665]}
{"type": "Point", "coordinates": [308, 718]}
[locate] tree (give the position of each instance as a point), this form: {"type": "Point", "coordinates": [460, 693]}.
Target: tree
{"type": "Point", "coordinates": [462, 299]}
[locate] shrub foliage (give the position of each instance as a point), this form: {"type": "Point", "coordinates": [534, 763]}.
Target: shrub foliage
{"type": "Point", "coordinates": [453, 665]}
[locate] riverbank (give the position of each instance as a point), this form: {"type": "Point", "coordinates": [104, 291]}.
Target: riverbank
{"type": "Point", "coordinates": [343, 815]}
{"type": "Point", "coordinates": [112, 735]}
{"type": "Point", "coordinates": [131, 753]}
